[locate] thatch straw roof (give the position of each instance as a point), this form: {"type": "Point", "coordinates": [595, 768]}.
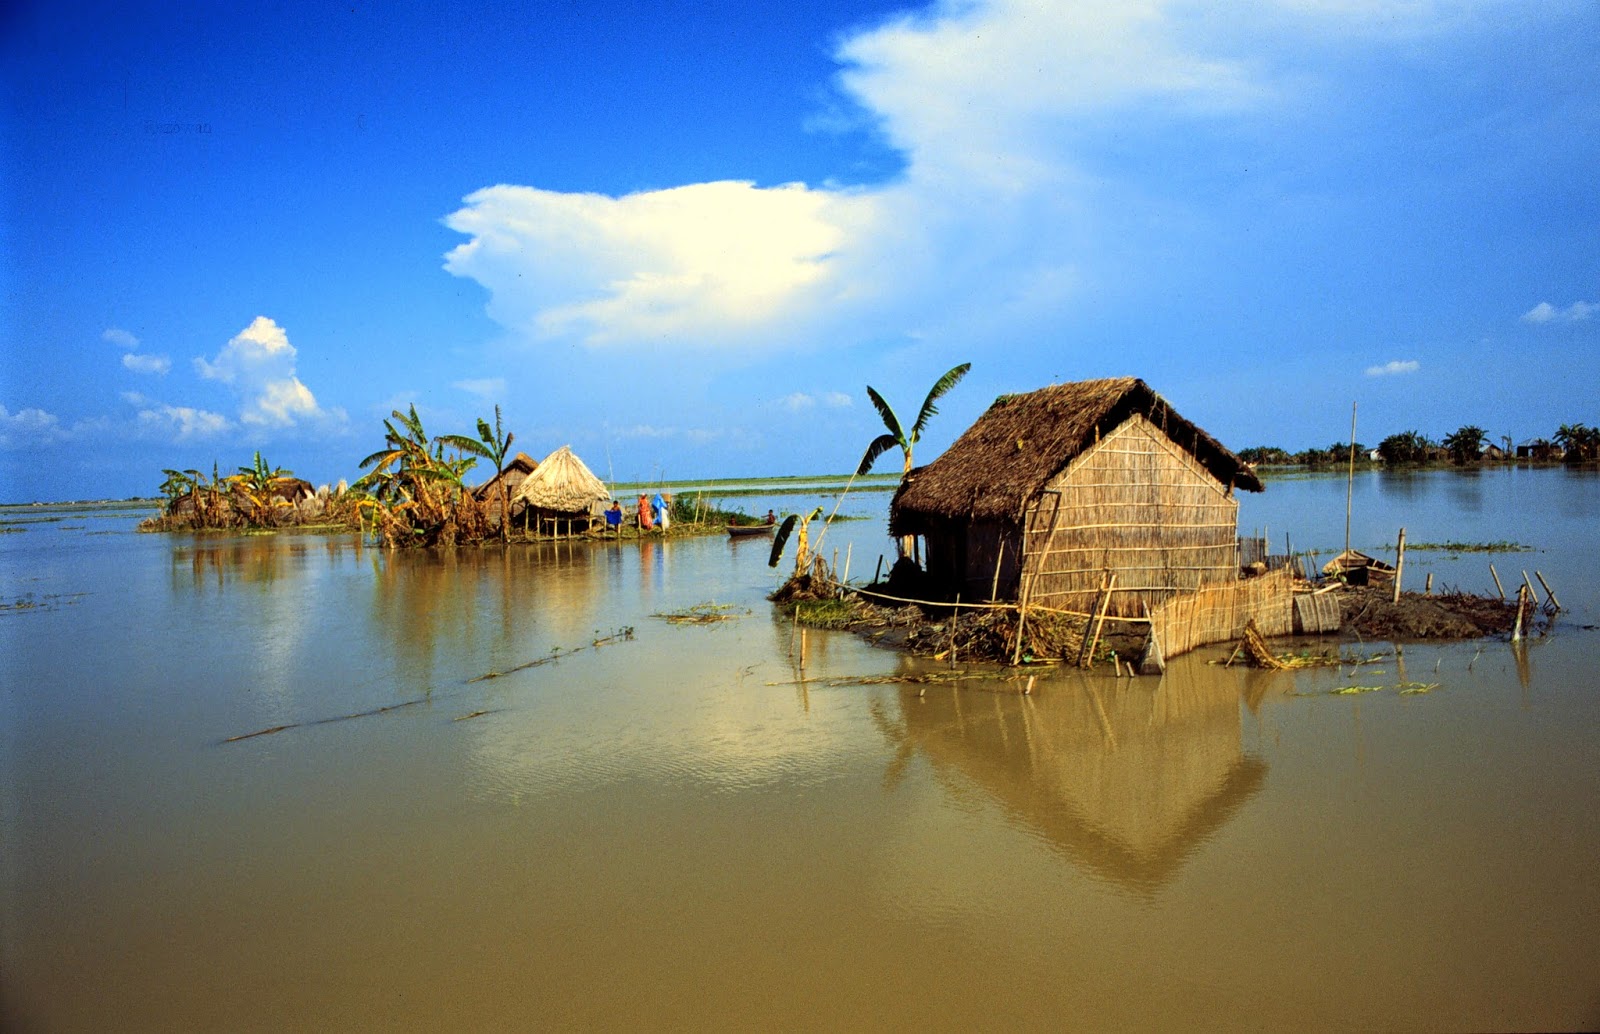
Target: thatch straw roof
{"type": "Point", "coordinates": [1022, 441]}
{"type": "Point", "coordinates": [520, 466]}
{"type": "Point", "coordinates": [562, 484]}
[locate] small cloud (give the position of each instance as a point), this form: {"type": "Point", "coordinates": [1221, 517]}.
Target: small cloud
{"type": "Point", "coordinates": [133, 398]}
{"type": "Point", "coordinates": [258, 363]}
{"type": "Point", "coordinates": [644, 431]}
{"type": "Point", "coordinates": [695, 435]}
{"type": "Point", "coordinates": [837, 400]}
{"type": "Point", "coordinates": [121, 338]}
{"type": "Point", "coordinates": [487, 388]}
{"type": "Point", "coordinates": [182, 423]}
{"type": "Point", "coordinates": [31, 426]}
{"type": "Point", "coordinates": [156, 364]}
{"type": "Point", "coordinates": [1544, 312]}
{"type": "Point", "coordinates": [797, 402]}
{"type": "Point", "coordinates": [1394, 367]}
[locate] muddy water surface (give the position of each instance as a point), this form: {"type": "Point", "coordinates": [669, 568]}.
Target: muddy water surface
{"type": "Point", "coordinates": [677, 830]}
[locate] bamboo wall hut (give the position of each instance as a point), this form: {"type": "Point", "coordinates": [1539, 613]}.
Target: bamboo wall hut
{"type": "Point", "coordinates": [1050, 491]}
{"type": "Point", "coordinates": [561, 495]}
{"type": "Point", "coordinates": [512, 475]}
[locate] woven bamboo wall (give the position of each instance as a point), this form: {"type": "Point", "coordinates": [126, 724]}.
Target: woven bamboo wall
{"type": "Point", "coordinates": [1140, 506]}
{"type": "Point", "coordinates": [1218, 613]}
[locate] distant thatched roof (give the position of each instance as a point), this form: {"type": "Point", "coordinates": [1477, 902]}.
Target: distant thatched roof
{"type": "Point", "coordinates": [520, 466]}
{"type": "Point", "coordinates": [1022, 441]}
{"type": "Point", "coordinates": [562, 484]}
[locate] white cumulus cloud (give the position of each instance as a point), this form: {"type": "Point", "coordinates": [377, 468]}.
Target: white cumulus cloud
{"type": "Point", "coordinates": [121, 338]}
{"type": "Point", "coordinates": [29, 426]}
{"type": "Point", "coordinates": [258, 364]}
{"type": "Point", "coordinates": [991, 219]}
{"type": "Point", "coordinates": [1544, 312]}
{"type": "Point", "coordinates": [181, 423]}
{"type": "Point", "coordinates": [700, 264]}
{"type": "Point", "coordinates": [156, 364]}
{"type": "Point", "coordinates": [1394, 367]}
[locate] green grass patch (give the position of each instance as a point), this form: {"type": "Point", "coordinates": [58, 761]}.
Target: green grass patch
{"type": "Point", "coordinates": [833, 614]}
{"type": "Point", "coordinates": [1472, 547]}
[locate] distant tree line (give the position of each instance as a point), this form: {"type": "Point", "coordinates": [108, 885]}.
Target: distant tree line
{"type": "Point", "coordinates": [1572, 443]}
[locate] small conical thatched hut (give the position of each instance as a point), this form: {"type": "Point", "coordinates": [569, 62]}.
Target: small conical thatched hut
{"type": "Point", "coordinates": [561, 494]}
{"type": "Point", "coordinates": [1053, 489]}
{"type": "Point", "coordinates": [513, 475]}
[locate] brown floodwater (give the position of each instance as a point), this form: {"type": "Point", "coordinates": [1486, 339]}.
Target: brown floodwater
{"type": "Point", "coordinates": [682, 829]}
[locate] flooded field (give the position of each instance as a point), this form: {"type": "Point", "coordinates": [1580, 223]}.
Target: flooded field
{"type": "Point", "coordinates": [677, 828]}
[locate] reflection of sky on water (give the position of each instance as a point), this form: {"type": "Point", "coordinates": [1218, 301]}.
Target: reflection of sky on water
{"type": "Point", "coordinates": [675, 810]}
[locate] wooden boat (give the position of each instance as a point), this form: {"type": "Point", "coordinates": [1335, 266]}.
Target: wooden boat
{"type": "Point", "coordinates": [740, 531]}
{"type": "Point", "coordinates": [1358, 569]}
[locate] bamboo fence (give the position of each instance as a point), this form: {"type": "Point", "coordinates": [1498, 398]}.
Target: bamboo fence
{"type": "Point", "coordinates": [1218, 613]}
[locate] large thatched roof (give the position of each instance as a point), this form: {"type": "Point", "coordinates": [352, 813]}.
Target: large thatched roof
{"type": "Point", "coordinates": [1022, 441]}
{"type": "Point", "coordinates": [562, 484]}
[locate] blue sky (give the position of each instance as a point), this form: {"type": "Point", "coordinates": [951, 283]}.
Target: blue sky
{"type": "Point", "coordinates": [683, 237]}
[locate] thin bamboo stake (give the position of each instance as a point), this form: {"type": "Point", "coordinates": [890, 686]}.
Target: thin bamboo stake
{"type": "Point", "coordinates": [1087, 659]}
{"type": "Point", "coordinates": [1022, 618]}
{"type": "Point", "coordinates": [1350, 483]}
{"type": "Point", "coordinates": [1516, 630]}
{"type": "Point", "coordinates": [1427, 588]}
{"type": "Point", "coordinates": [1548, 594]}
{"type": "Point", "coordinates": [1497, 586]}
{"type": "Point", "coordinates": [1399, 564]}
{"type": "Point", "coordinates": [955, 626]}
{"type": "Point", "coordinates": [1000, 556]}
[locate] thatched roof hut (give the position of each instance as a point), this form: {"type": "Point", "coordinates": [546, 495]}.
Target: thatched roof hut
{"type": "Point", "coordinates": [561, 486]}
{"type": "Point", "coordinates": [514, 473]}
{"type": "Point", "coordinates": [1059, 486]}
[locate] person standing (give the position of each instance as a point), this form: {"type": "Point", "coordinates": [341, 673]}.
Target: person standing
{"type": "Point", "coordinates": [659, 505]}
{"type": "Point", "coordinates": [645, 520]}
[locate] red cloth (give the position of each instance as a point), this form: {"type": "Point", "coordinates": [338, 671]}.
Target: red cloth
{"type": "Point", "coordinates": [646, 521]}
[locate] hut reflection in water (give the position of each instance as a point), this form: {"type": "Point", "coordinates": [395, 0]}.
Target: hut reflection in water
{"type": "Point", "coordinates": [1126, 782]}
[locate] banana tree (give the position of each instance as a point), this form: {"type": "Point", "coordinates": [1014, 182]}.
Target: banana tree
{"type": "Point", "coordinates": [492, 444]}
{"type": "Point", "coordinates": [897, 435]}
{"type": "Point", "coordinates": [259, 483]}
{"type": "Point", "coordinates": [802, 552]}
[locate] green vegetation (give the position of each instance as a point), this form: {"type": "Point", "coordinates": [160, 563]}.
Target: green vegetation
{"type": "Point", "coordinates": [1468, 444]}
{"type": "Point", "coordinates": [898, 436]}
{"type": "Point", "coordinates": [1471, 547]}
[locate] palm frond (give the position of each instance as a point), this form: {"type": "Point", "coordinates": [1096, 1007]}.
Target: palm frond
{"type": "Point", "coordinates": [781, 538]}
{"type": "Point", "coordinates": [469, 446]}
{"type": "Point", "coordinates": [951, 378]}
{"type": "Point", "coordinates": [890, 421]}
{"type": "Point", "coordinates": [879, 445]}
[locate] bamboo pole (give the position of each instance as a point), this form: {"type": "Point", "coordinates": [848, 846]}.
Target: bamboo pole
{"type": "Point", "coordinates": [1516, 630]}
{"type": "Point", "coordinates": [1087, 659]}
{"type": "Point", "coordinates": [1022, 618]}
{"type": "Point", "coordinates": [1427, 589]}
{"type": "Point", "coordinates": [1350, 482]}
{"type": "Point", "coordinates": [955, 626]}
{"type": "Point", "coordinates": [1548, 594]}
{"type": "Point", "coordinates": [1497, 586]}
{"type": "Point", "coordinates": [1000, 556]}
{"type": "Point", "coordinates": [1399, 564]}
